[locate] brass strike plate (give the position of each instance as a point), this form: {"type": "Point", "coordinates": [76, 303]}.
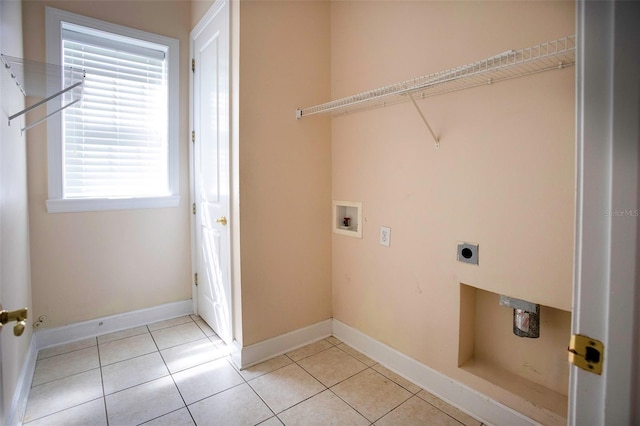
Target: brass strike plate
{"type": "Point", "coordinates": [586, 353]}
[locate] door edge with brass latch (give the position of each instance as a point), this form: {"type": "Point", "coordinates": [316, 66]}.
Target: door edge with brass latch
{"type": "Point", "coordinates": [19, 316]}
{"type": "Point", "coordinates": [586, 353]}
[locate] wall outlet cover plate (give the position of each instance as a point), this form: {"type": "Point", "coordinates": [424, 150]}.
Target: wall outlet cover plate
{"type": "Point", "coordinates": [385, 236]}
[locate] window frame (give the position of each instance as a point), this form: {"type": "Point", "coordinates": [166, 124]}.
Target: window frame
{"type": "Point", "coordinates": [56, 203]}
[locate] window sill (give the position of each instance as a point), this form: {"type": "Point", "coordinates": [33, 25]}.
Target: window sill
{"type": "Point", "coordinates": [74, 205]}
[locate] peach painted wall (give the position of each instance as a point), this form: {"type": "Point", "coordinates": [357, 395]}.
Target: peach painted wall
{"type": "Point", "coordinates": [503, 176]}
{"type": "Point", "coordinates": [285, 167]}
{"type": "Point", "coordinates": [90, 265]}
{"type": "Point", "coordinates": [280, 61]}
{"type": "Point", "coordinates": [15, 286]}
{"type": "Point", "coordinates": [198, 9]}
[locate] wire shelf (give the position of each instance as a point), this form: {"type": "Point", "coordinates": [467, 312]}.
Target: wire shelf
{"type": "Point", "coordinates": [556, 54]}
{"type": "Point", "coordinates": [46, 83]}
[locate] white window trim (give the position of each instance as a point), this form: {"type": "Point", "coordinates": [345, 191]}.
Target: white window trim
{"type": "Point", "coordinates": [56, 203]}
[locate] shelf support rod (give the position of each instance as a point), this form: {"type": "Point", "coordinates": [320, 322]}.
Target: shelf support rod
{"type": "Point", "coordinates": [435, 138]}
{"type": "Point", "coordinates": [58, 111]}
{"type": "Point", "coordinates": [47, 99]}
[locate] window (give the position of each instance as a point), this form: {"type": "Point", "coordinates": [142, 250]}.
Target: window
{"type": "Point", "coordinates": [118, 148]}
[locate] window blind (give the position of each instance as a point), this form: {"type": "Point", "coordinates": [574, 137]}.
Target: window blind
{"type": "Point", "coordinates": [115, 140]}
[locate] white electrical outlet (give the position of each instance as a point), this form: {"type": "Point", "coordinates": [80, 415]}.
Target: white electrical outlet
{"type": "Point", "coordinates": [385, 236]}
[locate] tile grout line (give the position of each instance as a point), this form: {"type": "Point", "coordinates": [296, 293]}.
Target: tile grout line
{"type": "Point", "coordinates": [413, 394]}
{"type": "Point", "coordinates": [61, 378]}
{"type": "Point", "coordinates": [346, 402]}
{"type": "Point", "coordinates": [276, 415]}
{"type": "Point", "coordinates": [439, 409]}
{"type": "Point", "coordinates": [60, 411]}
{"type": "Point", "coordinates": [327, 388]}
{"type": "Point", "coordinates": [368, 367]}
{"type": "Point", "coordinates": [104, 394]}
{"type": "Point", "coordinates": [61, 353]}
{"type": "Point", "coordinates": [172, 379]}
{"type": "Point", "coordinates": [96, 344]}
{"type": "Point", "coordinates": [186, 406]}
{"type": "Point", "coordinates": [136, 357]}
{"type": "Point", "coordinates": [158, 351]}
{"type": "Point", "coordinates": [256, 393]}
{"type": "Point", "coordinates": [308, 398]}
{"type": "Point", "coordinates": [330, 388]}
{"type": "Point", "coordinates": [180, 344]}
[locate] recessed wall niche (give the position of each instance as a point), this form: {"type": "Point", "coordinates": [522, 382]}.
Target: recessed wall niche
{"type": "Point", "coordinates": [534, 369]}
{"type": "Point", "coordinates": [347, 218]}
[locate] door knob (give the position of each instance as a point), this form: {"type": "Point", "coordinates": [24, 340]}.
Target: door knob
{"type": "Point", "coordinates": [18, 329]}
{"type": "Point", "coordinates": [222, 220]}
{"type": "Point", "coordinates": [19, 316]}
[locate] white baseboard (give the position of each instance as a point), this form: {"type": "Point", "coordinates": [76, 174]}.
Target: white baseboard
{"type": "Point", "coordinates": [461, 396]}
{"type": "Point", "coordinates": [235, 351]}
{"type": "Point", "coordinates": [20, 397]}
{"type": "Point", "coordinates": [262, 351]}
{"type": "Point", "coordinates": [110, 324]}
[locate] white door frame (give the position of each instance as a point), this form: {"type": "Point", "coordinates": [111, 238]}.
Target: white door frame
{"type": "Point", "coordinates": [606, 283]}
{"type": "Point", "coordinates": [197, 30]}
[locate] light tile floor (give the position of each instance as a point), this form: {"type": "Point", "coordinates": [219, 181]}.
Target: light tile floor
{"type": "Point", "coordinates": [178, 372]}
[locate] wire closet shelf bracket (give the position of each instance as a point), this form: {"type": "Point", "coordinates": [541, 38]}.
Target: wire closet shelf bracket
{"type": "Point", "coordinates": [551, 55]}
{"type": "Point", "coordinates": [56, 87]}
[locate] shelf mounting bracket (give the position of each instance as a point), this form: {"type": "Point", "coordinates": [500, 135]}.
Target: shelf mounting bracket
{"type": "Point", "coordinates": [435, 138]}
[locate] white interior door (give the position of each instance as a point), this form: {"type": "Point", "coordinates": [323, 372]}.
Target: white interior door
{"type": "Point", "coordinates": [210, 47]}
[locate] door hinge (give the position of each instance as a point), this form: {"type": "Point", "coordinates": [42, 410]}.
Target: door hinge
{"type": "Point", "coordinates": [193, 65]}
{"type": "Point", "coordinates": [195, 279]}
{"type": "Point", "coordinates": [586, 353]}
{"type": "Point", "coordinates": [193, 208]}
{"type": "Point", "coordinates": [193, 136]}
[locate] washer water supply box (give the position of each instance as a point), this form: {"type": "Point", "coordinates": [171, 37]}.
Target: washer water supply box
{"type": "Point", "coordinates": [526, 316]}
